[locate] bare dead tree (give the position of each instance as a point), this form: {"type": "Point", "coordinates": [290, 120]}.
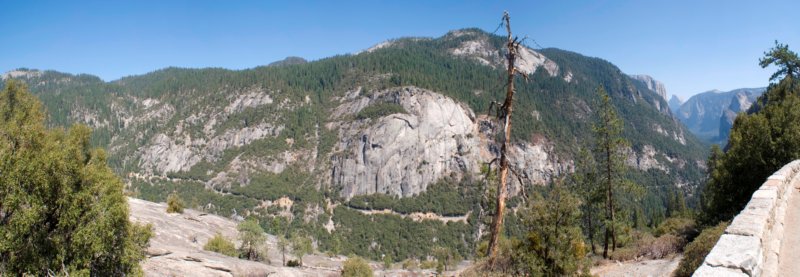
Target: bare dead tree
{"type": "Point", "coordinates": [513, 44]}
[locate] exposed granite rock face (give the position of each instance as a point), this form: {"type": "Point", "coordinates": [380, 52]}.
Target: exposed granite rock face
{"type": "Point", "coordinates": [401, 154]}
{"type": "Point", "coordinates": [165, 154]}
{"type": "Point", "coordinates": [740, 102]}
{"type": "Point", "coordinates": [652, 84]}
{"type": "Point", "coordinates": [535, 164]}
{"type": "Point", "coordinates": [675, 103]}
{"type": "Point", "coordinates": [481, 50]}
{"type": "Point", "coordinates": [176, 249]}
{"type": "Point", "coordinates": [645, 160]}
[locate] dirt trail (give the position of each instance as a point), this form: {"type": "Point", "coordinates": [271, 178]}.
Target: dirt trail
{"type": "Point", "coordinates": [652, 268]}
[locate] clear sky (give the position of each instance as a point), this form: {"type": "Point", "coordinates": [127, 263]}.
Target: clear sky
{"type": "Point", "coordinates": [691, 46]}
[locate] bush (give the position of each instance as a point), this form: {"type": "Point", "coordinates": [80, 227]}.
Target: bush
{"type": "Point", "coordinates": [678, 226]}
{"type": "Point", "coordinates": [174, 204]}
{"type": "Point", "coordinates": [411, 264]}
{"type": "Point", "coordinates": [293, 263]}
{"type": "Point", "coordinates": [663, 246]}
{"type": "Point", "coordinates": [428, 264]}
{"type": "Point", "coordinates": [253, 240]}
{"type": "Point", "coordinates": [645, 245]}
{"type": "Point", "coordinates": [379, 110]}
{"type": "Point", "coordinates": [697, 250]}
{"type": "Point", "coordinates": [356, 267]}
{"type": "Point", "coordinates": [221, 245]}
{"type": "Point", "coordinates": [624, 254]}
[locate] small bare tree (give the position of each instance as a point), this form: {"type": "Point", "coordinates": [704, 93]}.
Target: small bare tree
{"type": "Point", "coordinates": [504, 115]}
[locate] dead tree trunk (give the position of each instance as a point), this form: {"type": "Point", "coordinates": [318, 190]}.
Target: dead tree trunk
{"type": "Point", "coordinates": [504, 115]}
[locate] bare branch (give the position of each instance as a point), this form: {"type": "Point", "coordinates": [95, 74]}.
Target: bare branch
{"type": "Point", "coordinates": [521, 184]}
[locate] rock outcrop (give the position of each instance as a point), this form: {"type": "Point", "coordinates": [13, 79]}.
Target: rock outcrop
{"type": "Point", "coordinates": [652, 84]}
{"type": "Point", "coordinates": [740, 102]}
{"type": "Point", "coordinates": [675, 103]}
{"type": "Point", "coordinates": [176, 249]}
{"type": "Point", "coordinates": [401, 154]}
{"type": "Point", "coordinates": [480, 49]}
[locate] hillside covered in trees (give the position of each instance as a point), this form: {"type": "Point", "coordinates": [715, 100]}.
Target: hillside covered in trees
{"type": "Point", "coordinates": [271, 142]}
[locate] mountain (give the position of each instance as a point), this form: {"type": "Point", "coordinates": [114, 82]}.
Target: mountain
{"type": "Point", "coordinates": [710, 115]}
{"type": "Point", "coordinates": [651, 84]}
{"type": "Point", "coordinates": [647, 83]}
{"type": "Point", "coordinates": [675, 103]}
{"type": "Point", "coordinates": [379, 152]}
{"type": "Point", "coordinates": [289, 61]}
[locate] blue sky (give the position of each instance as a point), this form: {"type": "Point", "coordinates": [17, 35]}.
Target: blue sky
{"type": "Point", "coordinates": [691, 46]}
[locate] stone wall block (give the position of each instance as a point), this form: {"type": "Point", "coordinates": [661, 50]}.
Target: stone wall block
{"type": "Point", "coordinates": [755, 225]}
{"type": "Point", "coordinates": [708, 271]}
{"type": "Point", "coordinates": [737, 252]}
{"type": "Point", "coordinates": [751, 244]}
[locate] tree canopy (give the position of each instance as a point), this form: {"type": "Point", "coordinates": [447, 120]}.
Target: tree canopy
{"type": "Point", "coordinates": [62, 210]}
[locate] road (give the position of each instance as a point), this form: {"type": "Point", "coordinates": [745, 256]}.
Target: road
{"type": "Point", "coordinates": [789, 260]}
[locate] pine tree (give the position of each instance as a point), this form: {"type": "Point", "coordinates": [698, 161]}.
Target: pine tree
{"type": "Point", "coordinates": [62, 209]}
{"type": "Point", "coordinates": [584, 183]}
{"type": "Point", "coordinates": [610, 157]}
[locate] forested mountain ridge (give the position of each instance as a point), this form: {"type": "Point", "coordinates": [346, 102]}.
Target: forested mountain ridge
{"type": "Point", "coordinates": [292, 143]}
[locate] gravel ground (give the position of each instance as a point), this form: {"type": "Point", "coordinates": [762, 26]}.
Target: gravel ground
{"type": "Point", "coordinates": [651, 268]}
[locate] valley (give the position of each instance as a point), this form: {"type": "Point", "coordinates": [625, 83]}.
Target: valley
{"type": "Point", "coordinates": [394, 120]}
{"type": "Point", "coordinates": [373, 138]}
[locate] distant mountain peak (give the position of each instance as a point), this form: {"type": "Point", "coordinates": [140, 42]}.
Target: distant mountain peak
{"type": "Point", "coordinates": [21, 73]}
{"type": "Point", "coordinates": [675, 103]}
{"type": "Point", "coordinates": [464, 32]}
{"type": "Point", "coordinates": [652, 84]}
{"type": "Point", "coordinates": [290, 60]}
{"type": "Point", "coordinates": [480, 46]}
{"type": "Point", "coordinates": [710, 114]}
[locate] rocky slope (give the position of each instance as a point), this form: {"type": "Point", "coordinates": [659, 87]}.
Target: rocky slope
{"type": "Point", "coordinates": [652, 84]}
{"type": "Point", "coordinates": [710, 115]}
{"type": "Point", "coordinates": [176, 249]}
{"type": "Point", "coordinates": [647, 83]}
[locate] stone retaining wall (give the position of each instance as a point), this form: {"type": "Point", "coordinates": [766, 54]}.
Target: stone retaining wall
{"type": "Point", "coordinates": [750, 245]}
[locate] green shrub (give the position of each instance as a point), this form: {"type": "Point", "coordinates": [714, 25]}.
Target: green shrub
{"type": "Point", "coordinates": [678, 226]}
{"type": "Point", "coordinates": [221, 245]}
{"type": "Point", "coordinates": [428, 264]}
{"type": "Point", "coordinates": [624, 254]}
{"type": "Point", "coordinates": [356, 267]}
{"type": "Point", "coordinates": [174, 204]}
{"type": "Point", "coordinates": [253, 240]}
{"type": "Point", "coordinates": [62, 209]}
{"type": "Point", "coordinates": [378, 110]}
{"type": "Point", "coordinates": [662, 247]}
{"type": "Point", "coordinates": [697, 250]}
{"type": "Point", "coordinates": [411, 264]}
{"type": "Point", "coordinates": [293, 263]}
